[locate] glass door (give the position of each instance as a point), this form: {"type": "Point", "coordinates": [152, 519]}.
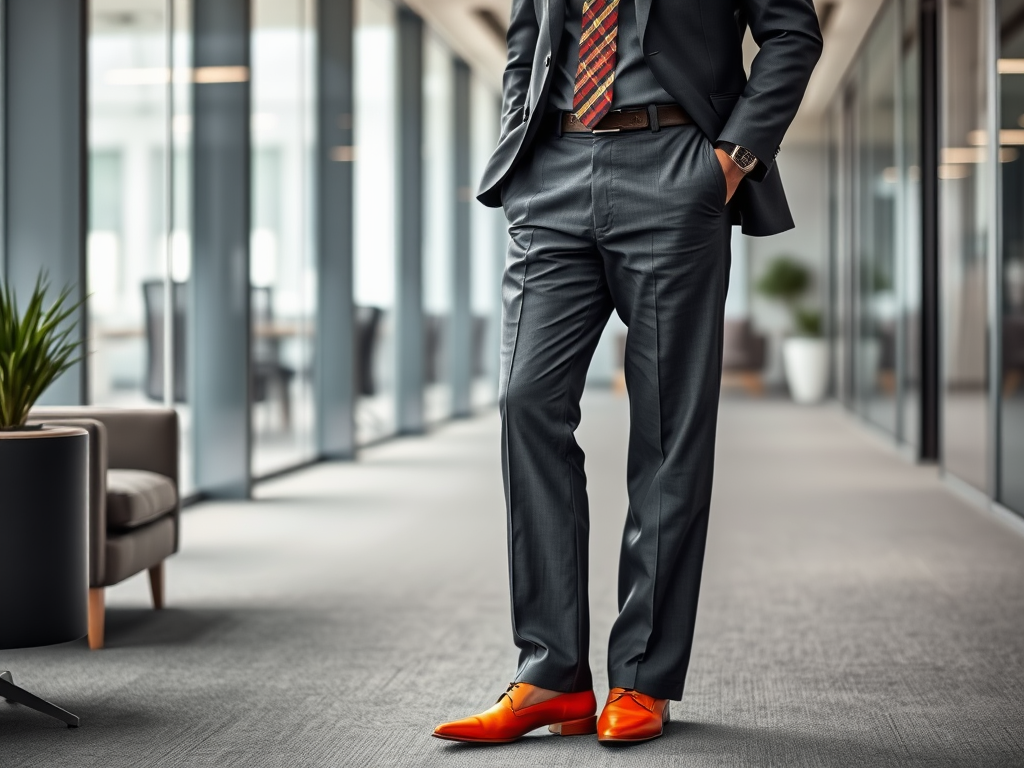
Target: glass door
{"type": "Point", "coordinates": [138, 247]}
{"type": "Point", "coordinates": [965, 215]}
{"type": "Point", "coordinates": [1011, 278]}
{"type": "Point", "coordinates": [374, 267]}
{"type": "Point", "coordinates": [282, 269]}
{"type": "Point", "coordinates": [438, 226]}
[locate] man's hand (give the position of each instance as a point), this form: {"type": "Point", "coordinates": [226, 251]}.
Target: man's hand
{"type": "Point", "coordinates": [733, 174]}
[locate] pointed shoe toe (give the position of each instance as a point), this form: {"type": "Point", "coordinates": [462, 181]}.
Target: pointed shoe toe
{"type": "Point", "coordinates": [630, 717]}
{"type": "Point", "coordinates": [568, 714]}
{"type": "Point", "coordinates": [467, 729]}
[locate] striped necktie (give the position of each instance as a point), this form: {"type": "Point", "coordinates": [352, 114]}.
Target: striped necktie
{"type": "Point", "coordinates": [596, 72]}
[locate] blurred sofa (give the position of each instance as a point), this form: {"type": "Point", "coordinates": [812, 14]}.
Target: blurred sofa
{"type": "Point", "coordinates": [134, 500]}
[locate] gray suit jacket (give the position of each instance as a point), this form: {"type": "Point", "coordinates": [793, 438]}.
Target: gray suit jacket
{"type": "Point", "coordinates": [694, 49]}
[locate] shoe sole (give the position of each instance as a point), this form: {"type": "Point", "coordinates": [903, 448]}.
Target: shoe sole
{"type": "Point", "coordinates": [628, 741]}
{"type": "Point", "coordinates": [586, 726]}
{"type": "Point", "coordinates": [475, 741]}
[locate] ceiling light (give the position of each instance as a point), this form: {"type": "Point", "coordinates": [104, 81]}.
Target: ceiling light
{"type": "Point", "coordinates": [1007, 137]}
{"type": "Point", "coordinates": [961, 155]}
{"type": "Point", "coordinates": [949, 172]}
{"type": "Point", "coordinates": [158, 75]}
{"type": "Point", "coordinates": [209, 75]}
{"type": "Point", "coordinates": [1010, 66]}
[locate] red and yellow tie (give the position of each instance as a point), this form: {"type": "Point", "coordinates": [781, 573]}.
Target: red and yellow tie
{"type": "Point", "coordinates": [596, 72]}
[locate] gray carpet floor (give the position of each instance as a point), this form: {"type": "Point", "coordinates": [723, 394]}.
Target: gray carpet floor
{"type": "Point", "coordinates": [855, 613]}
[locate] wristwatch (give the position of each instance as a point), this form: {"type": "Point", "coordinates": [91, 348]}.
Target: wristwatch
{"type": "Point", "coordinates": [742, 156]}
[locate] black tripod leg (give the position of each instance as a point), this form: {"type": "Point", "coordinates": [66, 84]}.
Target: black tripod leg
{"type": "Point", "coordinates": [16, 695]}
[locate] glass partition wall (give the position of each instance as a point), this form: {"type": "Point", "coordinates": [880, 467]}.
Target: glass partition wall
{"type": "Point", "coordinates": [875, 216]}
{"type": "Point", "coordinates": [138, 243]}
{"type": "Point", "coordinates": [1010, 273]}
{"type": "Point", "coordinates": [966, 185]}
{"type": "Point", "coordinates": [438, 226]}
{"type": "Point", "coordinates": [875, 188]}
{"type": "Point", "coordinates": [878, 186]}
{"type": "Point", "coordinates": [908, 224]}
{"type": "Point", "coordinates": [375, 94]}
{"type": "Point", "coordinates": [282, 272]}
{"type": "Point", "coordinates": [140, 271]}
{"type": "Point", "coordinates": [489, 241]}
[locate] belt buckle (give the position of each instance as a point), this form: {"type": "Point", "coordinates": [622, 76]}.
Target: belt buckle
{"type": "Point", "coordinates": [599, 131]}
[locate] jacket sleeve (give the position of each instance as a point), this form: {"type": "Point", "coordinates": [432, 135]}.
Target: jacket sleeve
{"type": "Point", "coordinates": [523, 32]}
{"type": "Point", "coordinates": [787, 33]}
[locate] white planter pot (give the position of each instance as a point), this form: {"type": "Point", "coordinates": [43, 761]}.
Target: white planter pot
{"type": "Point", "coordinates": [806, 364]}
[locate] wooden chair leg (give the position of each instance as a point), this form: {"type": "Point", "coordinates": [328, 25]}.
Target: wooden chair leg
{"type": "Point", "coordinates": [156, 585]}
{"type": "Point", "coordinates": [756, 384]}
{"type": "Point", "coordinates": [619, 383]}
{"type": "Point", "coordinates": [97, 617]}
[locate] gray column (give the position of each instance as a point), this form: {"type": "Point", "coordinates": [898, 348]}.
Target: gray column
{"type": "Point", "coordinates": [44, 159]}
{"type": "Point", "coordinates": [409, 222]}
{"type": "Point", "coordinates": [219, 333]}
{"type": "Point", "coordinates": [461, 356]}
{"type": "Point", "coordinates": [334, 366]}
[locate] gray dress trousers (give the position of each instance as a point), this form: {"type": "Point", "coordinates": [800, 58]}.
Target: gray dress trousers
{"type": "Point", "coordinates": [634, 222]}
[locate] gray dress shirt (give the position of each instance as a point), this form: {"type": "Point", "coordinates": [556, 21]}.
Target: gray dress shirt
{"type": "Point", "coordinates": [635, 84]}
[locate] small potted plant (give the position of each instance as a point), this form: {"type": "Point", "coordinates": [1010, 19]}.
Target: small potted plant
{"type": "Point", "coordinates": [43, 477]}
{"type": "Point", "coordinates": [804, 351]}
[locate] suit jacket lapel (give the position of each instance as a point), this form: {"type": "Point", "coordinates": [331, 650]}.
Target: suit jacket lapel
{"type": "Point", "coordinates": [643, 13]}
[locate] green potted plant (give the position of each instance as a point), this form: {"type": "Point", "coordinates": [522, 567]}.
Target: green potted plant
{"type": "Point", "coordinates": [44, 482]}
{"type": "Point", "coordinates": [804, 351]}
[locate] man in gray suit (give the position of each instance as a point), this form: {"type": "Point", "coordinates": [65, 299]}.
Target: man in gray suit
{"type": "Point", "coordinates": [632, 139]}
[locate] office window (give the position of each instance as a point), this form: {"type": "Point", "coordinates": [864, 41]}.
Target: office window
{"type": "Point", "coordinates": [909, 224]}
{"type": "Point", "coordinates": [138, 246]}
{"type": "Point", "coordinates": [282, 272]}
{"type": "Point", "coordinates": [375, 94]}
{"type": "Point", "coordinates": [1011, 90]}
{"type": "Point", "coordinates": [844, 239]}
{"type": "Point", "coordinates": [488, 249]}
{"type": "Point", "coordinates": [878, 175]}
{"type": "Point", "coordinates": [965, 218]}
{"type": "Point", "coordinates": [438, 226]}
{"type": "Point", "coordinates": [875, 129]}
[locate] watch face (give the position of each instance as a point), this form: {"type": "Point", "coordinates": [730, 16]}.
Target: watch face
{"type": "Point", "coordinates": [744, 158]}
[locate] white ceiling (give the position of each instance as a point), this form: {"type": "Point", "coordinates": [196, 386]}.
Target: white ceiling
{"type": "Point", "coordinates": [459, 24]}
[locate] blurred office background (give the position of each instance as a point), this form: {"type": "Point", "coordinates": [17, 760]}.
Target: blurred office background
{"type": "Point", "coordinates": [270, 206]}
{"type": "Point", "coordinates": [357, 131]}
{"type": "Point", "coordinates": [143, 325]}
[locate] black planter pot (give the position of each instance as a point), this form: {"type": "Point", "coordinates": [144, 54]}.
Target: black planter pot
{"type": "Point", "coordinates": [44, 557]}
{"type": "Point", "coordinates": [44, 563]}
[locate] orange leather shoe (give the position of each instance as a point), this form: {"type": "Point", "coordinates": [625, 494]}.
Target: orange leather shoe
{"type": "Point", "coordinates": [568, 714]}
{"type": "Point", "coordinates": [631, 716]}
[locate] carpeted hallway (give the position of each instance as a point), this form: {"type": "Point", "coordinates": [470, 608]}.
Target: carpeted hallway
{"type": "Point", "coordinates": [855, 613]}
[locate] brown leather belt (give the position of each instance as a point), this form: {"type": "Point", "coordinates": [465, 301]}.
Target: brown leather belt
{"type": "Point", "coordinates": [651, 118]}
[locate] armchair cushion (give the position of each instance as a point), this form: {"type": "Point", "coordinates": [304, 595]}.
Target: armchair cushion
{"type": "Point", "coordinates": [129, 552]}
{"type": "Point", "coordinates": [136, 497]}
{"type": "Point", "coordinates": [743, 349]}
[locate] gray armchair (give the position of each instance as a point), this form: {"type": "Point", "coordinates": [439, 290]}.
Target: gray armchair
{"type": "Point", "coordinates": [134, 503]}
{"type": "Point", "coordinates": [744, 354]}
